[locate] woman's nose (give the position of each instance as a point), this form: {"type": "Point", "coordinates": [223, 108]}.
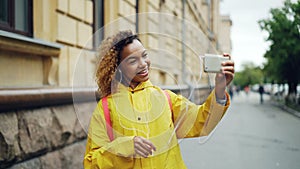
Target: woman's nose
{"type": "Point", "coordinates": [143, 63]}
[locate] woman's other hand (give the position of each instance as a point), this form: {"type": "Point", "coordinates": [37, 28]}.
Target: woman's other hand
{"type": "Point", "coordinates": [143, 147]}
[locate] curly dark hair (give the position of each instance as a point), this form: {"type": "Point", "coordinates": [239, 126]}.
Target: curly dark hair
{"type": "Point", "coordinates": [109, 59]}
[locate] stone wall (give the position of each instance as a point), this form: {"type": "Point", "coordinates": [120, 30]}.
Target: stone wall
{"type": "Point", "coordinates": [49, 137]}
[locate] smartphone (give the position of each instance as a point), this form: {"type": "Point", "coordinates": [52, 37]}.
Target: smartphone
{"type": "Point", "coordinates": [212, 63]}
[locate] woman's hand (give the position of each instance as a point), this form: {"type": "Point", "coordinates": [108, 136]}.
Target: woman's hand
{"type": "Point", "coordinates": [143, 147]}
{"type": "Point", "coordinates": [224, 78]}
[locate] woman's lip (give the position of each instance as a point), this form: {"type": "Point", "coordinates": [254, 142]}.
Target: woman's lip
{"type": "Point", "coordinates": [143, 73]}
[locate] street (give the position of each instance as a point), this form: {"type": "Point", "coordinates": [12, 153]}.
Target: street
{"type": "Point", "coordinates": [251, 135]}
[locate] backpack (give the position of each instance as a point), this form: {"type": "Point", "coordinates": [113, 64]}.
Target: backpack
{"type": "Point", "coordinates": [107, 115]}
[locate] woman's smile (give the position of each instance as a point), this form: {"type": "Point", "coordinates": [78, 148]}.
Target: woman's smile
{"type": "Point", "coordinates": [143, 73]}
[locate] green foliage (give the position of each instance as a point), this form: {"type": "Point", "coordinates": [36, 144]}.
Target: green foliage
{"type": "Point", "coordinates": [283, 57]}
{"type": "Point", "coordinates": [249, 75]}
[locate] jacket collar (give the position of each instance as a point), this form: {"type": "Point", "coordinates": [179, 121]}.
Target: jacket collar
{"type": "Point", "coordinates": [140, 86]}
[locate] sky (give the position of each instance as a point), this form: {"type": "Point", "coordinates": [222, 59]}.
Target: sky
{"type": "Point", "coordinates": [248, 40]}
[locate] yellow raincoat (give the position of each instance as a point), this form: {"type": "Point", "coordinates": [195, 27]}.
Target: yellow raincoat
{"type": "Point", "coordinates": [144, 111]}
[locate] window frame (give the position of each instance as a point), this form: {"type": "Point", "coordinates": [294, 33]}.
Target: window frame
{"type": "Point", "coordinates": [10, 24]}
{"type": "Point", "coordinates": [98, 22]}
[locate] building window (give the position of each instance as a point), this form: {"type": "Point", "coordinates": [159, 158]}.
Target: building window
{"type": "Point", "coordinates": [16, 16]}
{"type": "Point", "coordinates": [98, 22]}
{"type": "Point", "coordinates": [162, 78]}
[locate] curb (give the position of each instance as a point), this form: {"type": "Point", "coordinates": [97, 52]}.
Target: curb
{"type": "Point", "coordinates": [287, 109]}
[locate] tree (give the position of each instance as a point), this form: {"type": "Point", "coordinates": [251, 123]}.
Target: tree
{"type": "Point", "coordinates": [283, 56]}
{"type": "Point", "coordinates": [249, 75]}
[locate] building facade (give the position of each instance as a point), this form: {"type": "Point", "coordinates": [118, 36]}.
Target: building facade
{"type": "Point", "coordinates": [47, 64]}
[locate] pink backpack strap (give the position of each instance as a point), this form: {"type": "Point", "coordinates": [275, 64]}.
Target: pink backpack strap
{"type": "Point", "coordinates": [169, 100]}
{"type": "Point", "coordinates": [107, 118]}
{"type": "Point", "coordinates": [170, 103]}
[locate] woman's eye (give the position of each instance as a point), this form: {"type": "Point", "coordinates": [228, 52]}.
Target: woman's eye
{"type": "Point", "coordinates": [145, 55]}
{"type": "Point", "coordinates": [132, 62]}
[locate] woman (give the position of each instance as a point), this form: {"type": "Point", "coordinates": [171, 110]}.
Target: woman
{"type": "Point", "coordinates": [146, 121]}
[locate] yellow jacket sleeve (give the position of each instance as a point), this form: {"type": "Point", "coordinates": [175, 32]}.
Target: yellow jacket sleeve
{"type": "Point", "coordinates": [191, 120]}
{"type": "Point", "coordinates": [100, 152]}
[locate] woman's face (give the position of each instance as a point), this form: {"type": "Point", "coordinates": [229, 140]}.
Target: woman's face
{"type": "Point", "coordinates": [134, 63]}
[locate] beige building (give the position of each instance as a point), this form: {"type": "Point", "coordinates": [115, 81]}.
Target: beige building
{"type": "Point", "coordinates": [47, 57]}
{"type": "Point", "coordinates": [59, 47]}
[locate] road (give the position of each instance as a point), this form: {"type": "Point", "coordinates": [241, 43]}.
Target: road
{"type": "Point", "coordinates": [251, 135]}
